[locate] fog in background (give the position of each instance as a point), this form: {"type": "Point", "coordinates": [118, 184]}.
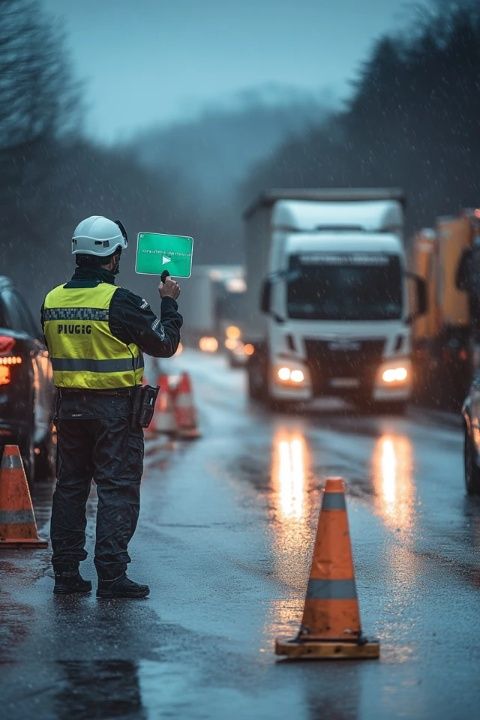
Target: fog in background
{"type": "Point", "coordinates": [156, 62]}
{"type": "Point", "coordinates": [172, 116]}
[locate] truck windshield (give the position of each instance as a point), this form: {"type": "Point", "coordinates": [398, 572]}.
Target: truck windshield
{"type": "Point", "coordinates": [342, 286]}
{"type": "Point", "coordinates": [231, 306]}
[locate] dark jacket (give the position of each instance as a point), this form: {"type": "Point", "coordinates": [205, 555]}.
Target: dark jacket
{"type": "Point", "coordinates": [131, 318]}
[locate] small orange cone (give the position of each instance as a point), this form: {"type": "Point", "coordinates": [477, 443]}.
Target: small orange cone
{"type": "Point", "coordinates": [330, 626]}
{"type": "Point", "coordinates": [17, 520]}
{"type": "Point", "coordinates": [163, 420]}
{"type": "Point", "coordinates": [185, 414]}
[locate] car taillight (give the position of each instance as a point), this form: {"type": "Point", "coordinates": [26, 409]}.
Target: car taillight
{"type": "Point", "coordinates": [11, 360]}
{"type": "Point", "coordinates": [7, 359]}
{"type": "Point", "coordinates": [7, 344]}
{"type": "Point", "coordinates": [5, 375]}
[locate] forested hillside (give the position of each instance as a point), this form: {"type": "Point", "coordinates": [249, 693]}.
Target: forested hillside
{"type": "Point", "coordinates": [413, 121]}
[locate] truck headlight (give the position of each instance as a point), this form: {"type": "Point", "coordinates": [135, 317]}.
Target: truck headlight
{"type": "Point", "coordinates": [297, 376]}
{"type": "Point", "coordinates": [395, 373]}
{"type": "Point", "coordinates": [287, 375]}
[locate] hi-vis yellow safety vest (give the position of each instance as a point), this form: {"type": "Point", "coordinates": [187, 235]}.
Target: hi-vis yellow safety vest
{"type": "Point", "coordinates": [83, 351]}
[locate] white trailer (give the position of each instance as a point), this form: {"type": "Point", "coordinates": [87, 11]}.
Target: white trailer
{"type": "Point", "coordinates": [328, 307]}
{"type": "Point", "coordinates": [208, 303]}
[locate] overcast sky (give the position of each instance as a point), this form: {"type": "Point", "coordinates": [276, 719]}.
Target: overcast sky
{"type": "Point", "coordinates": [155, 61]}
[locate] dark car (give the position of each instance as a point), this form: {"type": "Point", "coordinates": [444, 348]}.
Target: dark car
{"type": "Point", "coordinates": [471, 417]}
{"type": "Point", "coordinates": [26, 388]}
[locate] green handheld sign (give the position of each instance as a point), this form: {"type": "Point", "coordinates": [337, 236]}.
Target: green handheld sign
{"type": "Point", "coordinates": [157, 252]}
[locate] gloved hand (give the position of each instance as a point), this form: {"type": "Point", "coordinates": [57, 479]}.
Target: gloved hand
{"type": "Point", "coordinates": [169, 288]}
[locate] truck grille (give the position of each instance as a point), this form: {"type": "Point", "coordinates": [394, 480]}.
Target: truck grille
{"type": "Point", "coordinates": [329, 359]}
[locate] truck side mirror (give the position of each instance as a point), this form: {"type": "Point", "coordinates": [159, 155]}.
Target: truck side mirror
{"type": "Point", "coordinates": [420, 296]}
{"type": "Point", "coordinates": [421, 288]}
{"type": "Point", "coordinates": [265, 296]}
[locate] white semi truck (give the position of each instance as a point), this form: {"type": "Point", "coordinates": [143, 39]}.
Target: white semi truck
{"type": "Point", "coordinates": [329, 306]}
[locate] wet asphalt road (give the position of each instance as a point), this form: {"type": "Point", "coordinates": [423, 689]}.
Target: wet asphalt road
{"type": "Point", "coordinates": [224, 540]}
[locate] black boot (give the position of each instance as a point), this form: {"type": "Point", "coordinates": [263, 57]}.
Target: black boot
{"type": "Point", "coordinates": [70, 582]}
{"type": "Point", "coordinates": [122, 587]}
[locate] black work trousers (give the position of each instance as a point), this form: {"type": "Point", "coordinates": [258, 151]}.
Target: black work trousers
{"type": "Point", "coordinates": [96, 443]}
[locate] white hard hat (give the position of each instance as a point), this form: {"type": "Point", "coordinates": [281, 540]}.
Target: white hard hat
{"type": "Point", "coordinates": [97, 235]}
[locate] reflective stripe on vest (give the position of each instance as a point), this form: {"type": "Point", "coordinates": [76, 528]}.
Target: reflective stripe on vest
{"type": "Point", "coordinates": [83, 351]}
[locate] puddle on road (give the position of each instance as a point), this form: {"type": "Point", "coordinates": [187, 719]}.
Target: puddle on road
{"type": "Point", "coordinates": [17, 618]}
{"type": "Point", "coordinates": [14, 628]}
{"type": "Point", "coordinates": [102, 688]}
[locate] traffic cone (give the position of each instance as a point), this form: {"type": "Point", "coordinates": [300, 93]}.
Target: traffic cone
{"type": "Point", "coordinates": [185, 414]}
{"type": "Point", "coordinates": [330, 626]}
{"type": "Point", "coordinates": [163, 420]}
{"type": "Point", "coordinates": [17, 520]}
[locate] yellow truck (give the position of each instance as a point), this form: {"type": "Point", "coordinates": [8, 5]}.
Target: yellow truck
{"type": "Point", "coordinates": [441, 338]}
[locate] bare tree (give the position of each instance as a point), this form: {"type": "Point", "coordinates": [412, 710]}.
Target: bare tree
{"type": "Point", "coordinates": [38, 98]}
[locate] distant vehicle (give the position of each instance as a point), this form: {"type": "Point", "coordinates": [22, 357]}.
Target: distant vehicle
{"type": "Point", "coordinates": [213, 302]}
{"type": "Point", "coordinates": [329, 310]}
{"type": "Point", "coordinates": [26, 387]}
{"type": "Point", "coordinates": [233, 310]}
{"type": "Point", "coordinates": [441, 338]}
{"type": "Point", "coordinates": [471, 448]}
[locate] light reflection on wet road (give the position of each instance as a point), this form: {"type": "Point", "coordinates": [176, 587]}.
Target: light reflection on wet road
{"type": "Point", "coordinates": [225, 539]}
{"type": "Point", "coordinates": [392, 474]}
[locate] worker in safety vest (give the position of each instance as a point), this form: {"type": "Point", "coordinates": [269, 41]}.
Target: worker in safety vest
{"type": "Point", "coordinates": [96, 333]}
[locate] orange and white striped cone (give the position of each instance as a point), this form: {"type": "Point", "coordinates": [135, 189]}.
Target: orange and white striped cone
{"type": "Point", "coordinates": [163, 420]}
{"type": "Point", "coordinates": [17, 519]}
{"type": "Point", "coordinates": [330, 626]}
{"type": "Point", "coordinates": [185, 413]}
